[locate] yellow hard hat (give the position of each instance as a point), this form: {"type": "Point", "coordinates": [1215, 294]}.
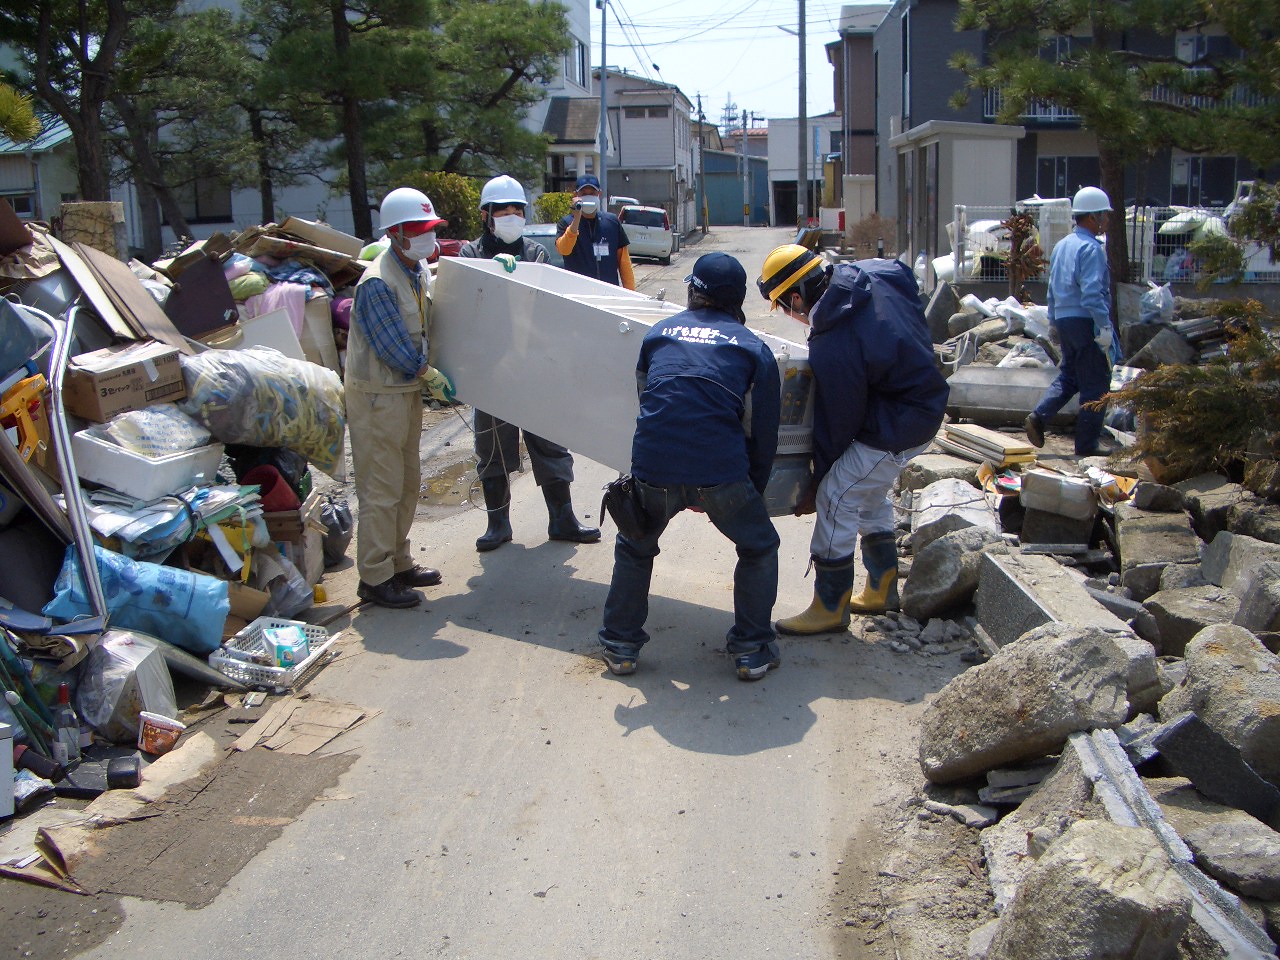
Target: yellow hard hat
{"type": "Point", "coordinates": [783, 268]}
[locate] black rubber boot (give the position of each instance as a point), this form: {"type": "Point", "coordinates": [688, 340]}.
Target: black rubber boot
{"type": "Point", "coordinates": [564, 525]}
{"type": "Point", "coordinates": [497, 502]}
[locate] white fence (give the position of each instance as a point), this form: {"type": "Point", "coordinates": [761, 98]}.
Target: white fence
{"type": "Point", "coordinates": [1158, 241]}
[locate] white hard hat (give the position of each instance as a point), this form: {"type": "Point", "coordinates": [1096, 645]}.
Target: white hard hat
{"type": "Point", "coordinates": [1090, 200]}
{"type": "Point", "coordinates": [407, 205]}
{"type": "Point", "coordinates": [502, 190]}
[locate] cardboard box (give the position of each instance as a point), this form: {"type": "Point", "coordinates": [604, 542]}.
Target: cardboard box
{"type": "Point", "coordinates": [114, 380]}
{"type": "Point", "coordinates": [322, 235]}
{"type": "Point", "coordinates": [247, 605]}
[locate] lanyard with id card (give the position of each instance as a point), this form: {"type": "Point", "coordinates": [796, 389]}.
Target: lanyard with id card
{"type": "Point", "coordinates": [601, 249]}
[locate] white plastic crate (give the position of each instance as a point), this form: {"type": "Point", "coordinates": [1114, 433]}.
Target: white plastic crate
{"type": "Point", "coordinates": [250, 641]}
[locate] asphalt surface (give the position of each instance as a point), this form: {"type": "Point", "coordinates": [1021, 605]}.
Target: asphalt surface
{"type": "Point", "coordinates": [513, 799]}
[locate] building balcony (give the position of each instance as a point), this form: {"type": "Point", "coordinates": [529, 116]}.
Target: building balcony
{"type": "Point", "coordinates": [1037, 111]}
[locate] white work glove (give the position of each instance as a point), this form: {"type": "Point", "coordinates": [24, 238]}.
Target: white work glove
{"type": "Point", "coordinates": [438, 385]}
{"type": "Point", "coordinates": [1103, 339]}
{"type": "Point", "coordinates": [508, 262]}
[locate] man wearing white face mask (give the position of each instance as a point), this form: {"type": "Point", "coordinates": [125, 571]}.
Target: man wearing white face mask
{"type": "Point", "coordinates": [384, 377]}
{"type": "Point", "coordinates": [592, 240]}
{"type": "Point", "coordinates": [502, 207]}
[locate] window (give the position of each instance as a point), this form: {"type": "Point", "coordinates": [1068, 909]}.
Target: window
{"type": "Point", "coordinates": [657, 111]}
{"type": "Point", "coordinates": [633, 113]}
{"type": "Point", "coordinates": [24, 204]}
{"type": "Point", "coordinates": [640, 113]}
{"type": "Point", "coordinates": [575, 64]}
{"type": "Point", "coordinates": [205, 201]}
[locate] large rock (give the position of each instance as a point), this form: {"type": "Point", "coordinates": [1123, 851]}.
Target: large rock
{"type": "Point", "coordinates": [966, 318]}
{"type": "Point", "coordinates": [1259, 590]}
{"type": "Point", "coordinates": [1166, 348]}
{"type": "Point", "coordinates": [931, 467]}
{"type": "Point", "coordinates": [1233, 685]}
{"type": "Point", "coordinates": [945, 506]}
{"type": "Point", "coordinates": [1227, 558]}
{"type": "Point", "coordinates": [1148, 543]}
{"type": "Point", "coordinates": [1024, 702]}
{"type": "Point", "coordinates": [944, 575]}
{"type": "Point", "coordinates": [1244, 855]}
{"type": "Point", "coordinates": [1210, 498]}
{"type": "Point", "coordinates": [1157, 497]}
{"type": "Point", "coordinates": [942, 305]}
{"type": "Point", "coordinates": [1256, 518]}
{"type": "Point", "coordinates": [1099, 891]}
{"type": "Point", "coordinates": [1182, 613]}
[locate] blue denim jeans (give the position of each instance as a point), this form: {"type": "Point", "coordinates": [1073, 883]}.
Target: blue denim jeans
{"type": "Point", "coordinates": [1085, 370]}
{"type": "Point", "coordinates": [738, 511]}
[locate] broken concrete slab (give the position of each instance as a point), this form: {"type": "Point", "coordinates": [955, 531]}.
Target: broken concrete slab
{"type": "Point", "coordinates": [1180, 614]}
{"type": "Point", "coordinates": [966, 318]}
{"type": "Point", "coordinates": [1244, 856]}
{"type": "Point", "coordinates": [1157, 497]}
{"type": "Point", "coordinates": [1259, 590]}
{"type": "Point", "coordinates": [942, 305]}
{"type": "Point", "coordinates": [1001, 396]}
{"type": "Point", "coordinates": [1179, 575]}
{"type": "Point", "coordinates": [1209, 498]}
{"type": "Point", "coordinates": [1024, 702]}
{"type": "Point", "coordinates": [1194, 750]}
{"type": "Point", "coordinates": [1233, 685]}
{"type": "Point", "coordinates": [1126, 900]}
{"type": "Point", "coordinates": [1124, 608]}
{"type": "Point", "coordinates": [1226, 558]}
{"type": "Point", "coordinates": [1135, 336]}
{"type": "Point", "coordinates": [1166, 348]}
{"type": "Point", "coordinates": [1259, 519]}
{"type": "Point", "coordinates": [1149, 542]}
{"type": "Point", "coordinates": [945, 506]}
{"type": "Point", "coordinates": [973, 815]}
{"type": "Point", "coordinates": [1040, 527]}
{"type": "Point", "coordinates": [945, 573]}
{"type": "Point", "coordinates": [931, 467]}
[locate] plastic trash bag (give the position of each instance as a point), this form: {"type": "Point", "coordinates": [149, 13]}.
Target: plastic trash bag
{"type": "Point", "coordinates": [260, 397]}
{"type": "Point", "coordinates": [335, 514]}
{"type": "Point", "coordinates": [180, 607]}
{"type": "Point", "coordinates": [156, 431]}
{"type": "Point", "coordinates": [290, 593]}
{"type": "Point", "coordinates": [1156, 305]}
{"type": "Point", "coordinates": [1026, 354]}
{"type": "Point", "coordinates": [124, 674]}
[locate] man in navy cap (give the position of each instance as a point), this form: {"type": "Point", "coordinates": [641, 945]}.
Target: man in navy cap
{"type": "Point", "coordinates": [592, 240]}
{"type": "Point", "coordinates": [704, 441]}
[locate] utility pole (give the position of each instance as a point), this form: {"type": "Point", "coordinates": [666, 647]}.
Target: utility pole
{"type": "Point", "coordinates": [702, 167]}
{"type": "Point", "coordinates": [746, 168]}
{"type": "Point", "coordinates": [603, 173]}
{"type": "Point", "coordinates": [802, 137]}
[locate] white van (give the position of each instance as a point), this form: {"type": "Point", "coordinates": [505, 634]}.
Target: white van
{"type": "Point", "coordinates": [649, 232]}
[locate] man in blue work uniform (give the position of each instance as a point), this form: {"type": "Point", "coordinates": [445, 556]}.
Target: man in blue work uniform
{"type": "Point", "coordinates": [592, 240]}
{"type": "Point", "coordinates": [878, 401]}
{"type": "Point", "coordinates": [1080, 309]}
{"type": "Point", "coordinates": [704, 441]}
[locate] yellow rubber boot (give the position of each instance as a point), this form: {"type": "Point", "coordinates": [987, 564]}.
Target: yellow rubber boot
{"type": "Point", "coordinates": [829, 611]}
{"type": "Point", "coordinates": [880, 557]}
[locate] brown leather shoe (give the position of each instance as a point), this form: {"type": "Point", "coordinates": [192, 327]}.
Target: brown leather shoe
{"type": "Point", "coordinates": [388, 594]}
{"type": "Point", "coordinates": [417, 576]}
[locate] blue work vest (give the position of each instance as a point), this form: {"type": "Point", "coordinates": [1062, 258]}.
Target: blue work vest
{"type": "Point", "coordinates": [604, 228]}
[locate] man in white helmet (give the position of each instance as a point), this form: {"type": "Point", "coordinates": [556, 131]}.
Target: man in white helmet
{"type": "Point", "coordinates": [1079, 302]}
{"type": "Point", "coordinates": [502, 209]}
{"type": "Point", "coordinates": [385, 374]}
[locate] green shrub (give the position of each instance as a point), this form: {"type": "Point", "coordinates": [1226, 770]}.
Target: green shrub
{"type": "Point", "coordinates": [550, 207]}
{"type": "Point", "coordinates": [456, 198]}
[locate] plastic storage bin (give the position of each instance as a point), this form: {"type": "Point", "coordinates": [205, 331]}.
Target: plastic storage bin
{"type": "Point", "coordinates": [234, 659]}
{"type": "Point", "coordinates": [147, 478]}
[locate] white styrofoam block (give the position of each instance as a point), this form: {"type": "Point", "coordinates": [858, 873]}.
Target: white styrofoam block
{"type": "Point", "coordinates": [146, 478]}
{"type": "Point", "coordinates": [555, 353]}
{"type": "Point", "coordinates": [6, 771]}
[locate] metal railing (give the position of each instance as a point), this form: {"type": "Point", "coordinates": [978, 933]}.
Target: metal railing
{"type": "Point", "coordinates": [1159, 239]}
{"type": "Point", "coordinates": [1037, 111]}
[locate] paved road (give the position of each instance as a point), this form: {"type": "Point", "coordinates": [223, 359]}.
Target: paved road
{"type": "Point", "coordinates": [513, 799]}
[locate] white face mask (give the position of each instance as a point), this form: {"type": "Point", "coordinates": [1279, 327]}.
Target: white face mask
{"type": "Point", "coordinates": [422, 246]}
{"type": "Point", "coordinates": [588, 205]}
{"type": "Point", "coordinates": [508, 229]}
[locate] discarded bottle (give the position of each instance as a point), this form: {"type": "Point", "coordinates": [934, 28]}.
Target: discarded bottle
{"type": "Point", "coordinates": [67, 726]}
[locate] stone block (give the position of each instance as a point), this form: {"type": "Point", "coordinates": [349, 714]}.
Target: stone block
{"type": "Point", "coordinates": [1024, 702]}
{"type": "Point", "coordinates": [1001, 396]}
{"type": "Point", "coordinates": [1157, 497]}
{"type": "Point", "coordinates": [1259, 589]}
{"type": "Point", "coordinates": [1257, 518]}
{"type": "Point", "coordinates": [1194, 750]}
{"type": "Point", "coordinates": [1124, 608]}
{"type": "Point", "coordinates": [944, 575]}
{"type": "Point", "coordinates": [1228, 556]}
{"type": "Point", "coordinates": [930, 467]}
{"type": "Point", "coordinates": [947, 505]}
{"type": "Point", "coordinates": [1041, 526]}
{"type": "Point", "coordinates": [1179, 575]}
{"type": "Point", "coordinates": [942, 305]}
{"type": "Point", "coordinates": [1135, 336]}
{"type": "Point", "coordinates": [966, 318]}
{"type": "Point", "coordinates": [1166, 348]}
{"type": "Point", "coordinates": [1180, 614]}
{"type": "Point", "coordinates": [1125, 900]}
{"type": "Point", "coordinates": [1209, 499]}
{"type": "Point", "coordinates": [1233, 684]}
{"type": "Point", "coordinates": [1244, 856]}
{"type": "Point", "coordinates": [1148, 542]}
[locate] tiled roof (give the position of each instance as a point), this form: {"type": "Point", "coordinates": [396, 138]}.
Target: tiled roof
{"type": "Point", "coordinates": [573, 119]}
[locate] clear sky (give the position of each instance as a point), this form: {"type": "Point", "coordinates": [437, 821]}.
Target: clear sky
{"type": "Point", "coordinates": [726, 50]}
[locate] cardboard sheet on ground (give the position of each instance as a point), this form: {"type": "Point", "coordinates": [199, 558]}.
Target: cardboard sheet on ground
{"type": "Point", "coordinates": [301, 726]}
{"type": "Point", "coordinates": [555, 353]}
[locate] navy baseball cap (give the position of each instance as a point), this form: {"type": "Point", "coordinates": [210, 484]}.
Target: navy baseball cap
{"type": "Point", "coordinates": [720, 277]}
{"type": "Point", "coordinates": [587, 180]}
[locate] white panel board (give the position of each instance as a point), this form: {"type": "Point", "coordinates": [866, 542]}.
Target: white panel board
{"type": "Point", "coordinates": [555, 353]}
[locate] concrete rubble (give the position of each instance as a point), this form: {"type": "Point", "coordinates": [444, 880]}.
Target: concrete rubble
{"type": "Point", "coordinates": [1122, 717]}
